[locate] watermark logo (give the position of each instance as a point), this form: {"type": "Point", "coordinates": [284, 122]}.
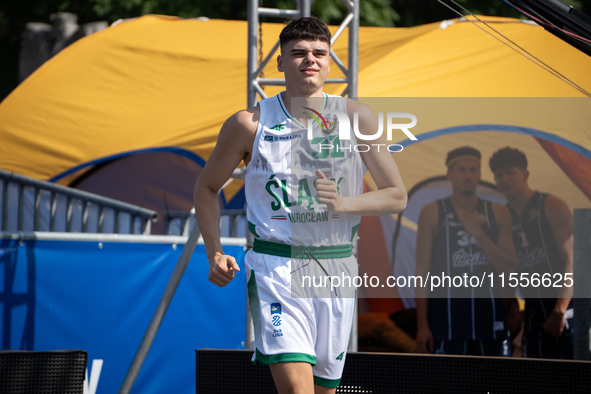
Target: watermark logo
{"type": "Point", "coordinates": [345, 133]}
{"type": "Point", "coordinates": [342, 121]}
{"type": "Point", "coordinates": [327, 126]}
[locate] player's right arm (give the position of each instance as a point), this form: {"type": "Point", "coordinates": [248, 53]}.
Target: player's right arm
{"type": "Point", "coordinates": [234, 145]}
{"type": "Point", "coordinates": [560, 218]}
{"type": "Point", "coordinates": [426, 234]}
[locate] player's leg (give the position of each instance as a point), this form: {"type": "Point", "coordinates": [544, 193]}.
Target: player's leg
{"type": "Point", "coordinates": [293, 378]}
{"type": "Point", "coordinates": [324, 390]}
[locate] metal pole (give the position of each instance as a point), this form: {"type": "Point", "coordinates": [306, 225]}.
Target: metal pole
{"type": "Point", "coordinates": [251, 66]}
{"type": "Point", "coordinates": [581, 278]}
{"type": "Point", "coordinates": [249, 341]}
{"type": "Point", "coordinates": [304, 8]}
{"type": "Point", "coordinates": [171, 287]}
{"type": "Point", "coordinates": [353, 51]}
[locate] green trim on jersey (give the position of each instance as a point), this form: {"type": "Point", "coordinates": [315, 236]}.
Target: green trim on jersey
{"type": "Point", "coordinates": [289, 116]}
{"type": "Point", "coordinates": [353, 231]}
{"type": "Point", "coordinates": [261, 358]}
{"type": "Point", "coordinates": [253, 229]}
{"type": "Point", "coordinates": [302, 252]}
{"type": "Point", "coordinates": [328, 383]}
{"type": "Point", "coordinates": [253, 301]}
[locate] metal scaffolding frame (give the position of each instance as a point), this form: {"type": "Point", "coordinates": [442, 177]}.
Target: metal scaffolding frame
{"type": "Point", "coordinates": [254, 70]}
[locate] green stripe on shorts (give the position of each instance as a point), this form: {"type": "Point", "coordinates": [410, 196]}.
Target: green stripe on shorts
{"type": "Point", "coordinates": [253, 301]}
{"type": "Point", "coordinates": [261, 358]}
{"type": "Point", "coordinates": [329, 383]}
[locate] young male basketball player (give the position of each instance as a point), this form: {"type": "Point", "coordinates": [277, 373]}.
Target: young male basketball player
{"type": "Point", "coordinates": [463, 235]}
{"type": "Point", "coordinates": [305, 198]}
{"type": "Point", "coordinates": [543, 238]}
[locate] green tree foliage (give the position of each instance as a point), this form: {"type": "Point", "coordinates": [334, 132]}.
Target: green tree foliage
{"type": "Point", "coordinates": [15, 14]}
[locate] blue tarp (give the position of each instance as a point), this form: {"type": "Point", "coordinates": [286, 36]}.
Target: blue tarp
{"type": "Point", "coordinates": [100, 298]}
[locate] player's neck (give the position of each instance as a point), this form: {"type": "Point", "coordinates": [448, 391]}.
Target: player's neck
{"type": "Point", "coordinates": [464, 202]}
{"type": "Point", "coordinates": [518, 201]}
{"type": "Point", "coordinates": [291, 93]}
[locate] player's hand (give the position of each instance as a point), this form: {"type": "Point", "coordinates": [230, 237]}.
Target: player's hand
{"type": "Point", "coordinates": [555, 324]}
{"type": "Point", "coordinates": [222, 269]}
{"type": "Point", "coordinates": [424, 340]}
{"type": "Point", "coordinates": [473, 223]}
{"type": "Point", "coordinates": [328, 193]}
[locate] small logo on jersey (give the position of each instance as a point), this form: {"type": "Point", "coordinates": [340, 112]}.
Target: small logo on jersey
{"type": "Point", "coordinates": [274, 138]}
{"type": "Point", "coordinates": [527, 260]}
{"type": "Point", "coordinates": [532, 215]}
{"type": "Point", "coordinates": [278, 127]}
{"type": "Point", "coordinates": [275, 308]}
{"type": "Point", "coordinates": [276, 320]}
{"type": "Point", "coordinates": [462, 259]}
{"type": "Point", "coordinates": [451, 221]}
{"type": "Point", "coordinates": [277, 333]}
{"type": "Point", "coordinates": [340, 357]}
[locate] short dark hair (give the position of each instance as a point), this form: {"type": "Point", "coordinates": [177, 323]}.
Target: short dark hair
{"type": "Point", "coordinates": [460, 153]}
{"type": "Point", "coordinates": [308, 28]}
{"type": "Point", "coordinates": [507, 157]}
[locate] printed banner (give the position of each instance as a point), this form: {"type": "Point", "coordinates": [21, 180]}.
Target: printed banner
{"type": "Point", "coordinates": [100, 297]}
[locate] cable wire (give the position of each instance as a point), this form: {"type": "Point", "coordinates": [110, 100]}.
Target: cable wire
{"type": "Point", "coordinates": [547, 23]}
{"type": "Point", "coordinates": [529, 56]}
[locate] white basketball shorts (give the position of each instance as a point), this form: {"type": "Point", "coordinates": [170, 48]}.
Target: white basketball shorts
{"type": "Point", "coordinates": [296, 329]}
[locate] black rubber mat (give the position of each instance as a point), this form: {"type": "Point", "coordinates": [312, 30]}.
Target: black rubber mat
{"type": "Point", "coordinates": [59, 372]}
{"type": "Point", "coordinates": [230, 371]}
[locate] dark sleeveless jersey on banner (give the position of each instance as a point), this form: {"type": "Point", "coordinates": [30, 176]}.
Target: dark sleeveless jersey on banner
{"type": "Point", "coordinates": [464, 313]}
{"type": "Point", "coordinates": [537, 251]}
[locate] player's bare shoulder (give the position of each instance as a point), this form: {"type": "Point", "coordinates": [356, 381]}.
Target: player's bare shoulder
{"type": "Point", "coordinates": [239, 130]}
{"type": "Point", "coordinates": [501, 213]}
{"type": "Point", "coordinates": [557, 211]}
{"type": "Point", "coordinates": [500, 208]}
{"type": "Point", "coordinates": [430, 209]}
{"type": "Point", "coordinates": [245, 121]}
{"type": "Point", "coordinates": [552, 202]}
{"type": "Point", "coordinates": [429, 216]}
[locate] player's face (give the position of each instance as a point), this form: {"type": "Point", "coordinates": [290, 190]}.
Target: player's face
{"type": "Point", "coordinates": [464, 176]}
{"type": "Point", "coordinates": [511, 180]}
{"type": "Point", "coordinates": [305, 62]}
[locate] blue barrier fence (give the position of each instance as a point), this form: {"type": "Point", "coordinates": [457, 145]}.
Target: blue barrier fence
{"type": "Point", "coordinates": [100, 297]}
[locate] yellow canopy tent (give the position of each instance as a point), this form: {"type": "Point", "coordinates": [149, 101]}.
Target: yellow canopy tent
{"type": "Point", "coordinates": [132, 112]}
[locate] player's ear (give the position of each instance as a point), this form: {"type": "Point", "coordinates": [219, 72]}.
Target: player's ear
{"type": "Point", "coordinates": [525, 175]}
{"type": "Point", "coordinates": [279, 63]}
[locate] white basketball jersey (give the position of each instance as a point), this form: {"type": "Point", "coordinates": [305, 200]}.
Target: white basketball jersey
{"type": "Point", "coordinates": [280, 191]}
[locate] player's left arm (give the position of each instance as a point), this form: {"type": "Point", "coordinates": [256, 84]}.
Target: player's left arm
{"type": "Point", "coordinates": [391, 195]}
{"type": "Point", "coordinates": [561, 221]}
